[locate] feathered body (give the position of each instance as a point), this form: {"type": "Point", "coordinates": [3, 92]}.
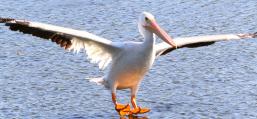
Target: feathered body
{"type": "Point", "coordinates": [131, 64]}
{"type": "Point", "coordinates": [130, 60]}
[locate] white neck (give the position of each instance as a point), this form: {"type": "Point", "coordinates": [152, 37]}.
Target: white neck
{"type": "Point", "coordinates": [149, 37]}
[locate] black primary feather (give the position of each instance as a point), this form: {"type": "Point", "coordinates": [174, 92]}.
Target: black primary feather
{"type": "Point", "coordinates": [189, 46]}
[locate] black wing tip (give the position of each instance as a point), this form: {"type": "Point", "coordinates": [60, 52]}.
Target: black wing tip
{"type": "Point", "coordinates": [247, 35]}
{"type": "Point", "coordinates": [255, 35]}
{"type": "Point", "coordinates": [13, 21]}
{"type": "Point", "coordinates": [6, 20]}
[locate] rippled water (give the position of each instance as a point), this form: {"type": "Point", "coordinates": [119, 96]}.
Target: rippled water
{"type": "Point", "coordinates": [40, 80]}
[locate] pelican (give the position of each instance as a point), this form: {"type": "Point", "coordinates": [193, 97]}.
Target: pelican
{"type": "Point", "coordinates": [129, 61]}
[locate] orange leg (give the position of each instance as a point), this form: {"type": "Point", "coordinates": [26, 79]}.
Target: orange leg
{"type": "Point", "coordinates": [137, 109]}
{"type": "Point", "coordinates": [120, 108]}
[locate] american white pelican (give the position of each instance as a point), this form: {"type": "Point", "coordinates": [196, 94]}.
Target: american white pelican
{"type": "Point", "coordinates": [130, 60]}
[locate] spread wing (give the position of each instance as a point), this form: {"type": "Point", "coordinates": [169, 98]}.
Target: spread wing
{"type": "Point", "coordinates": [98, 49]}
{"type": "Point", "coordinates": [198, 41]}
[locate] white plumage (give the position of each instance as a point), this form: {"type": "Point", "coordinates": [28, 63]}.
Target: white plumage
{"type": "Point", "coordinates": [182, 41]}
{"type": "Point", "coordinates": [99, 50]}
{"type": "Point", "coordinates": [130, 60]}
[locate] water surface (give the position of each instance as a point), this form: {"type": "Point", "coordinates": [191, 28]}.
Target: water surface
{"type": "Point", "coordinates": [40, 80]}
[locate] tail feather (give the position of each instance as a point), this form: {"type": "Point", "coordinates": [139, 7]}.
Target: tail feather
{"type": "Point", "coordinates": [98, 81]}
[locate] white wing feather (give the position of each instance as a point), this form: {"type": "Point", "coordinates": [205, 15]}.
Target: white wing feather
{"type": "Point", "coordinates": [99, 50]}
{"type": "Point", "coordinates": [161, 47]}
{"type": "Point", "coordinates": [97, 53]}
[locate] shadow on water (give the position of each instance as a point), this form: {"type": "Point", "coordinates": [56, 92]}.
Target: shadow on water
{"type": "Point", "coordinates": [134, 117]}
{"type": "Point", "coordinates": [124, 117]}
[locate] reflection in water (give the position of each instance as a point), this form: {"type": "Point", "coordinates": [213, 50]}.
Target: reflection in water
{"type": "Point", "coordinates": [100, 116]}
{"type": "Point", "coordinates": [134, 117]}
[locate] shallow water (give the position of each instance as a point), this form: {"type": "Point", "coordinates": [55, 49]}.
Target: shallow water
{"type": "Point", "coordinates": [40, 80]}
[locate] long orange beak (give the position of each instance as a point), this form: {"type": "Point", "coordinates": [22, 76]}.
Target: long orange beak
{"type": "Point", "coordinates": [155, 28]}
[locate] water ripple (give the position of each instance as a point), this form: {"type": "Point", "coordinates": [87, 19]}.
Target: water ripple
{"type": "Point", "coordinates": [40, 80]}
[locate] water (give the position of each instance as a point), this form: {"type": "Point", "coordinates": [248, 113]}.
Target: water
{"type": "Point", "coordinates": [40, 80]}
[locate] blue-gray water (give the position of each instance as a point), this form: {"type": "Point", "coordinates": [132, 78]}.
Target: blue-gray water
{"type": "Point", "coordinates": [39, 80]}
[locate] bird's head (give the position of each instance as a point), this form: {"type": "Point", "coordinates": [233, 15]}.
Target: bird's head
{"type": "Point", "coordinates": [147, 23]}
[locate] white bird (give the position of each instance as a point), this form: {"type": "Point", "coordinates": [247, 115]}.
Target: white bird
{"type": "Point", "coordinates": [129, 60]}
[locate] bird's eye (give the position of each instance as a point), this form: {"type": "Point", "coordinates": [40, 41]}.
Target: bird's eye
{"type": "Point", "coordinates": [146, 19]}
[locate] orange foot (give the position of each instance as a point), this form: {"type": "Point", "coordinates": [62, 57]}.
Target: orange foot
{"type": "Point", "coordinates": [122, 109]}
{"type": "Point", "coordinates": [139, 110]}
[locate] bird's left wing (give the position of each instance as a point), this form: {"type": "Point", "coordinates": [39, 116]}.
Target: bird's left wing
{"type": "Point", "coordinates": [99, 50]}
{"type": "Point", "coordinates": [198, 41]}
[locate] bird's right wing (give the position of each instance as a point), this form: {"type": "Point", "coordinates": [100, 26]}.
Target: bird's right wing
{"type": "Point", "coordinates": [98, 49]}
{"type": "Point", "coordinates": [198, 41]}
